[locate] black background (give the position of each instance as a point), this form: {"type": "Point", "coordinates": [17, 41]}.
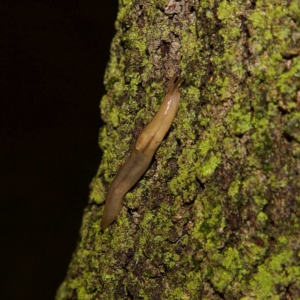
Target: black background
{"type": "Point", "coordinates": [52, 58]}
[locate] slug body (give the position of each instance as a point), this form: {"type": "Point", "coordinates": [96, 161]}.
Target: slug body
{"type": "Point", "coordinates": [140, 158]}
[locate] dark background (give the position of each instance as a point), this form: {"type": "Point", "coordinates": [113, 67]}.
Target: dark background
{"type": "Point", "coordinates": [53, 56]}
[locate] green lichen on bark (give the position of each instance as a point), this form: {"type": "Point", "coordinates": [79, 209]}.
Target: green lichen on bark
{"type": "Point", "coordinates": [217, 214]}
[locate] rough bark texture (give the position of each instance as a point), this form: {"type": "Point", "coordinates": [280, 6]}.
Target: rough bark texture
{"type": "Point", "coordinates": [217, 214]}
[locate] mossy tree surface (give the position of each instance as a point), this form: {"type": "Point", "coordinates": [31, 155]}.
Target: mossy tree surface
{"type": "Point", "coordinates": [217, 214]}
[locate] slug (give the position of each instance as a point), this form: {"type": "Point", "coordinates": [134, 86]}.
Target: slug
{"type": "Point", "coordinates": [140, 158]}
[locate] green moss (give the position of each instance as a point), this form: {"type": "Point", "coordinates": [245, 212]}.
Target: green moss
{"type": "Point", "coordinates": [259, 201]}
{"type": "Point", "coordinates": [239, 119]}
{"type": "Point", "coordinates": [262, 217]}
{"type": "Point", "coordinates": [224, 10]}
{"type": "Point", "coordinates": [208, 167]}
{"type": "Point", "coordinates": [274, 271]}
{"type": "Point", "coordinates": [234, 188]}
{"type": "Point", "coordinates": [204, 147]}
{"type": "Point", "coordinates": [229, 265]}
{"type": "Point", "coordinates": [254, 253]}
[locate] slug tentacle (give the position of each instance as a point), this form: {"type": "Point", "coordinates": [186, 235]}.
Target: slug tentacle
{"type": "Point", "coordinates": [140, 158]}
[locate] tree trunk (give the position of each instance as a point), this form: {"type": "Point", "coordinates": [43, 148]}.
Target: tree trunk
{"type": "Point", "coordinates": [216, 216]}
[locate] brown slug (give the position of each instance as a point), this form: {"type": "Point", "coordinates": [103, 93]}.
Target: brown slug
{"type": "Point", "coordinates": [140, 158]}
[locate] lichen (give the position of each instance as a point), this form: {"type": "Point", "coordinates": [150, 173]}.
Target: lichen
{"type": "Point", "coordinates": [217, 213]}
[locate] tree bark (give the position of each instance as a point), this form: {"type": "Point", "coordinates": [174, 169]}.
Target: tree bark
{"type": "Point", "coordinates": [217, 214]}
